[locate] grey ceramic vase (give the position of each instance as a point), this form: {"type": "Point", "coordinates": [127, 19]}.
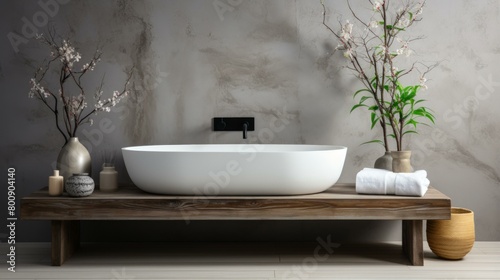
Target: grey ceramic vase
{"type": "Point", "coordinates": [80, 184]}
{"type": "Point", "coordinates": [73, 158]}
{"type": "Point", "coordinates": [384, 162]}
{"type": "Point", "coordinates": [401, 161]}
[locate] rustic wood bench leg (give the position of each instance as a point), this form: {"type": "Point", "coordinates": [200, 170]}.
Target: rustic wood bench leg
{"type": "Point", "coordinates": [413, 243]}
{"type": "Point", "coordinates": [65, 240]}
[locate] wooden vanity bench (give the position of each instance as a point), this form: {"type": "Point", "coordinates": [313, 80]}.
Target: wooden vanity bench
{"type": "Point", "coordinates": [337, 203]}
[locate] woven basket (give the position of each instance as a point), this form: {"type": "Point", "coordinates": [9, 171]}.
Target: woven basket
{"type": "Point", "coordinates": [452, 239]}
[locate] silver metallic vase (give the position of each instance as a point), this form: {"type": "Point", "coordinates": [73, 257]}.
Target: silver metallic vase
{"type": "Point", "coordinates": [73, 158]}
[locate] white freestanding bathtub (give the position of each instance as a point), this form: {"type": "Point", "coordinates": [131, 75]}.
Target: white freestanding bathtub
{"type": "Point", "coordinates": [244, 169]}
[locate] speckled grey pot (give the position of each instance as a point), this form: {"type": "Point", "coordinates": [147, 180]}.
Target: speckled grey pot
{"type": "Point", "coordinates": [80, 184]}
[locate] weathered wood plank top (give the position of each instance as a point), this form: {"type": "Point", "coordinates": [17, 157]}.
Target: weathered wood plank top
{"type": "Point", "coordinates": [339, 202]}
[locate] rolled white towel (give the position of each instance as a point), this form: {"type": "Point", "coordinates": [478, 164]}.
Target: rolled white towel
{"type": "Point", "coordinates": [380, 181]}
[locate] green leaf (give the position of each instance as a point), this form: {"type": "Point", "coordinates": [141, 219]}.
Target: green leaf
{"type": "Point", "coordinates": [407, 114]}
{"type": "Point", "coordinates": [407, 93]}
{"type": "Point", "coordinates": [373, 108]}
{"type": "Point", "coordinates": [399, 87]}
{"type": "Point", "coordinates": [374, 141]}
{"type": "Point", "coordinates": [361, 90]}
{"type": "Point", "coordinates": [430, 117]}
{"type": "Point", "coordinates": [374, 119]}
{"type": "Point", "coordinates": [357, 106]}
{"type": "Point", "coordinates": [410, 131]}
{"type": "Point", "coordinates": [411, 16]}
{"type": "Point", "coordinates": [412, 122]}
{"type": "Point", "coordinates": [413, 92]}
{"type": "Point", "coordinates": [375, 84]}
{"type": "Point", "coordinates": [364, 98]}
{"type": "Point", "coordinates": [399, 72]}
{"type": "Point", "coordinates": [420, 112]}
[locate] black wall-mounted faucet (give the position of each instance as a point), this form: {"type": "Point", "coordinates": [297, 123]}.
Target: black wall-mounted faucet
{"type": "Point", "coordinates": [234, 124]}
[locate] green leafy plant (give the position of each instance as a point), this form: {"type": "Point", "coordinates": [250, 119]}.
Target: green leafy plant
{"type": "Point", "coordinates": [372, 53]}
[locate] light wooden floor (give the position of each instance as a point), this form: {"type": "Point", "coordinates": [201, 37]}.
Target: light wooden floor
{"type": "Point", "coordinates": [247, 261]}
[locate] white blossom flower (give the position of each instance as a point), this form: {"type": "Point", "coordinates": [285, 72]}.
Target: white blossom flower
{"type": "Point", "coordinates": [404, 48]}
{"type": "Point", "coordinates": [68, 54]}
{"type": "Point", "coordinates": [37, 90]}
{"type": "Point", "coordinates": [98, 105]}
{"type": "Point", "coordinates": [76, 104]}
{"type": "Point", "coordinates": [420, 11]}
{"type": "Point", "coordinates": [403, 22]}
{"type": "Point", "coordinates": [346, 31]}
{"type": "Point", "coordinates": [380, 50]}
{"type": "Point", "coordinates": [73, 105]}
{"type": "Point", "coordinates": [32, 91]}
{"type": "Point", "coordinates": [90, 66]}
{"type": "Point", "coordinates": [377, 5]}
{"type": "Point", "coordinates": [423, 80]}
{"type": "Point", "coordinates": [98, 94]}
{"type": "Point", "coordinates": [348, 53]}
{"type": "Point", "coordinates": [373, 24]}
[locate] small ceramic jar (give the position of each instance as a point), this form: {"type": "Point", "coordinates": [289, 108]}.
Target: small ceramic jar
{"type": "Point", "coordinates": [80, 184]}
{"type": "Point", "coordinates": [108, 178]}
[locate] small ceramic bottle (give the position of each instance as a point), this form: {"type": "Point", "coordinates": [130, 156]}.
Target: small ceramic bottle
{"type": "Point", "coordinates": [108, 178]}
{"type": "Point", "coordinates": [56, 184]}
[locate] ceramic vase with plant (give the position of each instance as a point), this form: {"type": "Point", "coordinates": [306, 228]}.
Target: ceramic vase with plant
{"type": "Point", "coordinates": [59, 84]}
{"type": "Point", "coordinates": [374, 52]}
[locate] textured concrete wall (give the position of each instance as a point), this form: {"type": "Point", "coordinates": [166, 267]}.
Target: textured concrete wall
{"type": "Point", "coordinates": [268, 59]}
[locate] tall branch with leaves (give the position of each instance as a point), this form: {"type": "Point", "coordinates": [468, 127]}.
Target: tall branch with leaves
{"type": "Point", "coordinates": [70, 103]}
{"type": "Point", "coordinates": [372, 53]}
